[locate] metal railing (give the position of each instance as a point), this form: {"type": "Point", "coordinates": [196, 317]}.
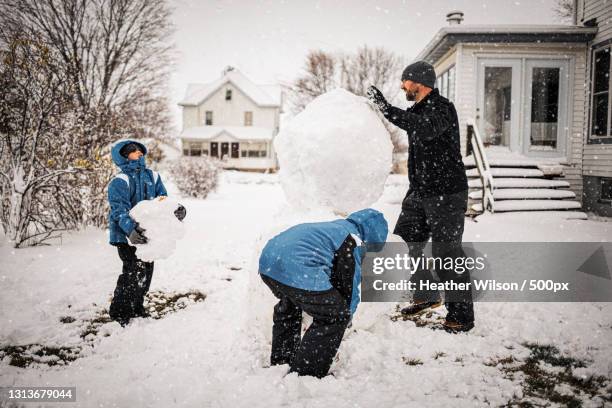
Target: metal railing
{"type": "Point", "coordinates": [476, 148]}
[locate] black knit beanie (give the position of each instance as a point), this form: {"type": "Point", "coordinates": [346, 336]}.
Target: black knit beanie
{"type": "Point", "coordinates": [421, 72]}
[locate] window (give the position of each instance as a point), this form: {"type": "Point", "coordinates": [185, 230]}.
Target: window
{"type": "Point", "coordinates": [228, 94]}
{"type": "Point", "coordinates": [446, 84]}
{"type": "Point", "coordinates": [253, 149]}
{"type": "Point", "coordinates": [545, 106]}
{"type": "Point", "coordinates": [451, 84]}
{"type": "Point", "coordinates": [208, 118]}
{"type": "Point", "coordinates": [248, 118]}
{"type": "Point", "coordinates": [195, 149]}
{"type": "Point", "coordinates": [600, 108]}
{"type": "Point", "coordinates": [497, 107]}
{"type": "Point", "coordinates": [256, 153]}
{"type": "Point", "coordinates": [605, 193]}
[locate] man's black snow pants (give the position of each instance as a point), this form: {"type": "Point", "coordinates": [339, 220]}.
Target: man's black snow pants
{"type": "Point", "coordinates": [313, 354]}
{"type": "Point", "coordinates": [440, 218]}
{"type": "Point", "coordinates": [132, 285]}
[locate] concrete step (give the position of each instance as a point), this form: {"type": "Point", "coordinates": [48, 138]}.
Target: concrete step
{"type": "Point", "coordinates": [525, 194]}
{"type": "Point", "coordinates": [531, 205]}
{"type": "Point", "coordinates": [521, 183]}
{"type": "Point", "coordinates": [508, 162]}
{"type": "Point", "coordinates": [508, 172]}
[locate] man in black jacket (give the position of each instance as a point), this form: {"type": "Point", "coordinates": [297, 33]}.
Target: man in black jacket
{"type": "Point", "coordinates": [436, 201]}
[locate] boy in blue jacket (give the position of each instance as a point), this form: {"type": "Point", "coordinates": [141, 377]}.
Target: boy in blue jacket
{"type": "Point", "coordinates": [134, 184]}
{"type": "Point", "coordinates": [316, 268]}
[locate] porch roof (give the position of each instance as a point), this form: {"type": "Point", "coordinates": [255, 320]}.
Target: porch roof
{"type": "Point", "coordinates": [239, 132]}
{"type": "Point", "coordinates": [447, 37]}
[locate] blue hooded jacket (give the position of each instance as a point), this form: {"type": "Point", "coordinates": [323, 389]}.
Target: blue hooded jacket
{"type": "Point", "coordinates": [134, 184]}
{"type": "Point", "coordinates": [302, 256]}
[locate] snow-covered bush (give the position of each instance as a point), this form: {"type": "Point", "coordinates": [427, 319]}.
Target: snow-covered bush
{"type": "Point", "coordinates": [90, 189]}
{"type": "Point", "coordinates": [195, 176]}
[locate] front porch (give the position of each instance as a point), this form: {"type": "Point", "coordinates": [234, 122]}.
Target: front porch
{"type": "Point", "coordinates": [239, 148]}
{"type": "Point", "coordinates": [501, 180]}
{"type": "Point", "coordinates": [521, 90]}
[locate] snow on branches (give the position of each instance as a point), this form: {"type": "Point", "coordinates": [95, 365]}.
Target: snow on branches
{"type": "Point", "coordinates": [195, 176]}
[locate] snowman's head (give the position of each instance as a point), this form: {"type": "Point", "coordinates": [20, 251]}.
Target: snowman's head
{"type": "Point", "coordinates": [372, 227]}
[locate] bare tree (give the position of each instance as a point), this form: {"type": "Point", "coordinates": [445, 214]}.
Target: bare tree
{"type": "Point", "coordinates": [116, 55]}
{"type": "Point", "coordinates": [319, 77]}
{"type": "Point", "coordinates": [33, 97]}
{"type": "Point", "coordinates": [354, 72]}
{"type": "Point", "coordinates": [378, 67]}
{"type": "Point", "coordinates": [371, 66]}
{"type": "Point", "coordinates": [564, 10]}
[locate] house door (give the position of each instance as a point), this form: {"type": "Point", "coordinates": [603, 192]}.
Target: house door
{"type": "Point", "coordinates": [523, 104]}
{"type": "Point", "coordinates": [544, 129]}
{"type": "Point", "coordinates": [497, 112]}
{"type": "Point", "coordinates": [224, 149]}
{"type": "Point", "coordinates": [235, 151]}
{"type": "Point", "coordinates": [214, 149]}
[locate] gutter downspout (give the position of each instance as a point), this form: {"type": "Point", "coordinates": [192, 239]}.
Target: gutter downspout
{"type": "Point", "coordinates": [575, 13]}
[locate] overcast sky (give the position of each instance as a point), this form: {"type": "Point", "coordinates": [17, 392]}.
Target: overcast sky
{"type": "Point", "coordinates": [268, 40]}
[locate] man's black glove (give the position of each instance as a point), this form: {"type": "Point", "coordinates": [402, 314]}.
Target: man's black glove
{"type": "Point", "coordinates": [180, 212]}
{"type": "Point", "coordinates": [378, 99]}
{"type": "Point", "coordinates": [137, 235]}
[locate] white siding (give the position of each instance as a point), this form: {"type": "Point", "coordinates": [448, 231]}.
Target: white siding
{"type": "Point", "coordinates": [600, 9]}
{"type": "Point", "coordinates": [597, 158]}
{"type": "Point", "coordinates": [231, 113]}
{"type": "Point", "coordinates": [190, 116]}
{"type": "Point", "coordinates": [449, 59]}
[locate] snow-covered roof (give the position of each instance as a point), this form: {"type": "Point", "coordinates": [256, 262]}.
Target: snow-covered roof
{"type": "Point", "coordinates": [239, 132]}
{"type": "Point", "coordinates": [447, 37]}
{"type": "Point", "coordinates": [265, 95]}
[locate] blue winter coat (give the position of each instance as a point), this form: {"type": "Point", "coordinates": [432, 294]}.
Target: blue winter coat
{"type": "Point", "coordinates": [134, 184]}
{"type": "Point", "coordinates": [302, 256]}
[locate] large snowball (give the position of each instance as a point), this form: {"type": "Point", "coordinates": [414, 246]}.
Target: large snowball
{"type": "Point", "coordinates": [335, 154]}
{"type": "Point", "coordinates": [162, 227]}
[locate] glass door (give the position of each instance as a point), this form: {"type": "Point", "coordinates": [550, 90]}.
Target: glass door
{"type": "Point", "coordinates": [545, 129]}
{"type": "Point", "coordinates": [224, 150]}
{"type": "Point", "coordinates": [498, 90]}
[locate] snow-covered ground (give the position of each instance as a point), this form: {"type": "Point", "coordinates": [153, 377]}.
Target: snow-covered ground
{"type": "Point", "coordinates": [207, 354]}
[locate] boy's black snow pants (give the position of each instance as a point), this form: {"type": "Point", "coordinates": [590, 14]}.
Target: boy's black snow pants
{"type": "Point", "coordinates": [312, 354]}
{"type": "Point", "coordinates": [440, 218]}
{"type": "Point", "coordinates": [132, 285]}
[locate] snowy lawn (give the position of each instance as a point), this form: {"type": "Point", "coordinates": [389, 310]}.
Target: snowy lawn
{"type": "Point", "coordinates": [203, 350]}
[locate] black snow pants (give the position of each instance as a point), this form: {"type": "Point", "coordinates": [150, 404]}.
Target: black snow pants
{"type": "Point", "coordinates": [440, 218]}
{"type": "Point", "coordinates": [132, 285]}
{"type": "Point", "coordinates": [313, 354]}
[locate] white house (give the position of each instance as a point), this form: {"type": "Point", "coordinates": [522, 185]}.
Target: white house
{"type": "Point", "coordinates": [232, 119]}
{"type": "Point", "coordinates": [597, 149]}
{"type": "Point", "coordinates": [521, 91]}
